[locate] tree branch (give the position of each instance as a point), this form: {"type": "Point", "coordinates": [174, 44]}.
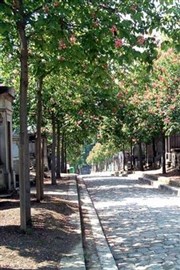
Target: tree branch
{"type": "Point", "coordinates": [28, 15]}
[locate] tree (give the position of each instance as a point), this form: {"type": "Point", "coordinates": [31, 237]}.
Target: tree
{"type": "Point", "coordinates": [153, 105]}
{"type": "Point", "coordinates": [164, 96]}
{"type": "Point", "coordinates": [100, 31]}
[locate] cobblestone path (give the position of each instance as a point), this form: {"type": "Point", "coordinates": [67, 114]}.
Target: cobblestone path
{"type": "Point", "coordinates": [141, 223]}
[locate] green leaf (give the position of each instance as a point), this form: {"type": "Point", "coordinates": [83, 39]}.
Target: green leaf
{"type": "Point", "coordinates": [165, 45]}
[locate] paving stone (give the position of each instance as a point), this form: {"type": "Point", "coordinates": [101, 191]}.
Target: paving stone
{"type": "Point", "coordinates": [154, 267]}
{"type": "Point", "coordinates": [143, 250]}
{"type": "Point", "coordinates": [141, 223]}
{"type": "Point", "coordinates": [168, 265]}
{"type": "Point", "coordinates": [126, 266]}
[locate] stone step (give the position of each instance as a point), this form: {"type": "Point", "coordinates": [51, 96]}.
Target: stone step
{"type": "Point", "coordinates": [160, 184]}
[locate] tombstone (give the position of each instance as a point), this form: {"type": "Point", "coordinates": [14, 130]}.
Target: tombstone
{"type": "Point", "coordinates": [32, 154]}
{"type": "Point", "coordinates": [6, 161]}
{"type": "Point", "coordinates": [176, 158]}
{"type": "Point", "coordinates": [15, 154]}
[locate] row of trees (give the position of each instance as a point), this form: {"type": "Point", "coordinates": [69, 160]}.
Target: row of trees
{"type": "Point", "coordinates": [64, 57]}
{"type": "Point", "coordinates": [149, 106]}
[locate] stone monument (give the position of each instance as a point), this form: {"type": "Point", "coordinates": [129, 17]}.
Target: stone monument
{"type": "Point", "coordinates": [7, 181]}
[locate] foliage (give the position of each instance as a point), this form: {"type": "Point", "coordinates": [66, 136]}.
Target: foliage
{"type": "Point", "coordinates": [153, 106]}
{"type": "Point", "coordinates": [165, 91]}
{"type": "Point", "coordinates": [78, 48]}
{"type": "Point", "coordinates": [101, 152]}
{"type": "Point", "coordinates": [147, 102]}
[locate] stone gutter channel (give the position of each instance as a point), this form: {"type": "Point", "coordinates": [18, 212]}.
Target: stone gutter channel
{"type": "Point", "coordinates": [97, 252]}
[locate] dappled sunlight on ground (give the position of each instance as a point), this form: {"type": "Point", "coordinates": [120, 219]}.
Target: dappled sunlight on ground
{"type": "Point", "coordinates": [141, 223]}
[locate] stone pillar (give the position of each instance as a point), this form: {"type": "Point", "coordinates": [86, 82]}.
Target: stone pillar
{"type": "Point", "coordinates": [6, 160]}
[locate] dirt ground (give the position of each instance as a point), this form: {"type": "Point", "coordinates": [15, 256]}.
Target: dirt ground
{"type": "Point", "coordinates": [51, 235]}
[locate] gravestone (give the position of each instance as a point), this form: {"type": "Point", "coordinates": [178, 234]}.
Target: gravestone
{"type": "Point", "coordinates": [6, 161]}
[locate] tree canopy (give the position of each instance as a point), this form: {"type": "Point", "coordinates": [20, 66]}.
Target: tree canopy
{"type": "Point", "coordinates": [81, 44]}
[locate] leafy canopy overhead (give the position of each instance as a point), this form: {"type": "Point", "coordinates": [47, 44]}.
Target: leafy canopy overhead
{"type": "Point", "coordinates": [95, 30]}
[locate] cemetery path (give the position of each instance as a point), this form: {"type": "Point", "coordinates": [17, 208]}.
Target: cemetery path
{"type": "Point", "coordinates": [140, 222]}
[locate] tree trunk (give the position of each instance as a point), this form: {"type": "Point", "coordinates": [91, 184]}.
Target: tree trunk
{"type": "Point", "coordinates": [39, 175]}
{"type": "Point", "coordinates": [42, 164]}
{"type": "Point", "coordinates": [132, 157]}
{"type": "Point", "coordinates": [140, 157]}
{"type": "Point", "coordinates": [124, 159]}
{"type": "Point", "coordinates": [154, 152]}
{"type": "Point", "coordinates": [62, 154]}
{"type": "Point", "coordinates": [53, 164]}
{"type": "Point", "coordinates": [146, 156]}
{"type": "Point", "coordinates": [163, 154]}
{"type": "Point", "coordinates": [65, 157]}
{"type": "Point", "coordinates": [58, 175]}
{"type": "Point", "coordinates": [24, 181]}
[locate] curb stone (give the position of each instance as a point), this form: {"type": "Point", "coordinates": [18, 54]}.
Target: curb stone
{"type": "Point", "coordinates": [157, 184]}
{"type": "Point", "coordinates": [173, 190]}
